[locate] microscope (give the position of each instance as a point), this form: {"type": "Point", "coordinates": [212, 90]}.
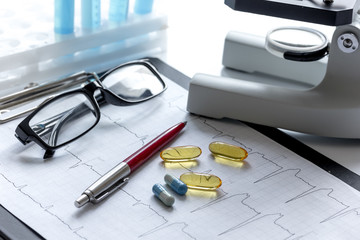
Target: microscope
{"type": "Point", "coordinates": [328, 107]}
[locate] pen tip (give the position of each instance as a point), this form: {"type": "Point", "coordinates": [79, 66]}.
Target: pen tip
{"type": "Point", "coordinates": [184, 122]}
{"type": "Point", "coordinates": [81, 201]}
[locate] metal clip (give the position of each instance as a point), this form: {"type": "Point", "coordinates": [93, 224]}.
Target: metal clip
{"type": "Point", "coordinates": [37, 91]}
{"type": "Point", "coordinates": [107, 192]}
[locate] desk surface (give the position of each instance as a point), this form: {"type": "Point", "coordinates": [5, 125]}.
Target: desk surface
{"type": "Point", "coordinates": [196, 35]}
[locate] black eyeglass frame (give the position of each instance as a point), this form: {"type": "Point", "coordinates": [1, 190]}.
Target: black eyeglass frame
{"type": "Point", "coordinates": [25, 134]}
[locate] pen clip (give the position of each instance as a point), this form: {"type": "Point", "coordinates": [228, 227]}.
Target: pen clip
{"type": "Point", "coordinates": [107, 192]}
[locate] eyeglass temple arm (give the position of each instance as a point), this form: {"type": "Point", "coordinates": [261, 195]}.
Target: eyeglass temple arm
{"type": "Point", "coordinates": [63, 118]}
{"type": "Point", "coordinates": [66, 116]}
{"type": "Point", "coordinates": [44, 127]}
{"type": "Point", "coordinates": [40, 129]}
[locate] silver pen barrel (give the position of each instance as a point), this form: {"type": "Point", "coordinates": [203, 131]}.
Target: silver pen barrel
{"type": "Point", "coordinates": [105, 185]}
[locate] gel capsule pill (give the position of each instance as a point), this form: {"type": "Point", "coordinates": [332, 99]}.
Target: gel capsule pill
{"type": "Point", "coordinates": [183, 153]}
{"type": "Point", "coordinates": [162, 194]}
{"type": "Point", "coordinates": [201, 181]}
{"type": "Point", "coordinates": [228, 151]}
{"type": "Point", "coordinates": [176, 184]}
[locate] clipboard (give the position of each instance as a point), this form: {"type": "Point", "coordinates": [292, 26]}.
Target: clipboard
{"type": "Point", "coordinates": [13, 228]}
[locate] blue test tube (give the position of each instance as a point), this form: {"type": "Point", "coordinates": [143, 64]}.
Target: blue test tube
{"type": "Point", "coordinates": [64, 16]}
{"type": "Point", "coordinates": [143, 6]}
{"type": "Point", "coordinates": [90, 14]}
{"type": "Point", "coordinates": [118, 10]}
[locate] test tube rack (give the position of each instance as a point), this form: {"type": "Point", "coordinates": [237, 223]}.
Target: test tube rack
{"type": "Point", "coordinates": [30, 50]}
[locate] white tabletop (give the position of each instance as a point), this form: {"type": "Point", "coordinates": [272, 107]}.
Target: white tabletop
{"type": "Point", "coordinates": [196, 35]}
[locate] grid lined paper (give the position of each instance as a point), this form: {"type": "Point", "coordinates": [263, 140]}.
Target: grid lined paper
{"type": "Point", "coordinates": [273, 194]}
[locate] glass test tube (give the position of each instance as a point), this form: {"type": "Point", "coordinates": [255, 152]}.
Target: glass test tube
{"type": "Point", "coordinates": [143, 6]}
{"type": "Point", "coordinates": [90, 14]}
{"type": "Point", "coordinates": [64, 16]}
{"type": "Point", "coordinates": [118, 11]}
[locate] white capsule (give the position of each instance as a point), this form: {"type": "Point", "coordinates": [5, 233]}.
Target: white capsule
{"type": "Point", "coordinates": [164, 196]}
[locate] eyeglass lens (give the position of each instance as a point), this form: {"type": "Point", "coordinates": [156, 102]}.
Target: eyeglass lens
{"type": "Point", "coordinates": [133, 83]}
{"type": "Point", "coordinates": [66, 118]}
{"type": "Point", "coordinates": [55, 123]}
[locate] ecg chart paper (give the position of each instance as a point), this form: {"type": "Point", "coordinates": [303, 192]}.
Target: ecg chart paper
{"type": "Point", "coordinates": [273, 194]}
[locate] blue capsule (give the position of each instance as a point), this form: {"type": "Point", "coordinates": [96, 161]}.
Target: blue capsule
{"type": "Point", "coordinates": [164, 196]}
{"type": "Point", "coordinates": [176, 184]}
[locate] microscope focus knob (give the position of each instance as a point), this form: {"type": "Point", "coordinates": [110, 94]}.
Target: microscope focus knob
{"type": "Point", "coordinates": [348, 42]}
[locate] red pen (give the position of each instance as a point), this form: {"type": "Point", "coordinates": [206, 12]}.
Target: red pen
{"type": "Point", "coordinates": [118, 176]}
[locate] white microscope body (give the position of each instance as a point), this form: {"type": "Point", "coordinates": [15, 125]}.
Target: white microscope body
{"type": "Point", "coordinates": [331, 108]}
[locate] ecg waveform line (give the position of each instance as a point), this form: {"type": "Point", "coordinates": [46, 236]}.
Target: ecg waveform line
{"type": "Point", "coordinates": [80, 161]}
{"type": "Point", "coordinates": [170, 229]}
{"type": "Point", "coordinates": [46, 209]}
{"type": "Point", "coordinates": [312, 188]}
{"type": "Point", "coordinates": [116, 122]}
{"type": "Point", "coordinates": [256, 218]}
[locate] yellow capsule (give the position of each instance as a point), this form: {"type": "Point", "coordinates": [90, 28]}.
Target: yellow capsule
{"type": "Point", "coordinates": [201, 181]}
{"type": "Point", "coordinates": [228, 151]}
{"type": "Point", "coordinates": [178, 154]}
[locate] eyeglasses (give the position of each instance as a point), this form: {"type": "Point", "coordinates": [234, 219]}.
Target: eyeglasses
{"type": "Point", "coordinates": [68, 116]}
